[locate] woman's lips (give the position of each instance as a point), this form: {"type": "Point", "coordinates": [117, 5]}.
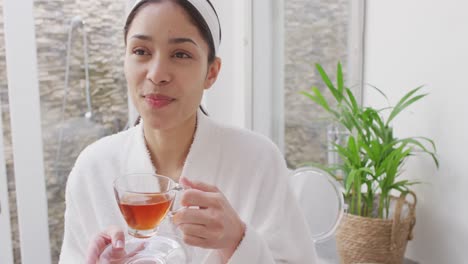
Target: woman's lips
{"type": "Point", "coordinates": [157, 100]}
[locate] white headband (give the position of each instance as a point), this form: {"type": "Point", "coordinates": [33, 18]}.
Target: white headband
{"type": "Point", "coordinates": [209, 15]}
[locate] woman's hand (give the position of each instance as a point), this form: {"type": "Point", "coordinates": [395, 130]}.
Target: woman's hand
{"type": "Point", "coordinates": [214, 225]}
{"type": "Point", "coordinates": [114, 235]}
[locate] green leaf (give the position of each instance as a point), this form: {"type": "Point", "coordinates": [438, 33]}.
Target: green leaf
{"type": "Point", "coordinates": [403, 184]}
{"type": "Point", "coordinates": [401, 189]}
{"type": "Point", "coordinates": [339, 78]}
{"type": "Point", "coordinates": [354, 105]}
{"type": "Point", "coordinates": [378, 90]}
{"type": "Point", "coordinates": [353, 150]}
{"type": "Point", "coordinates": [350, 180]}
{"type": "Point", "coordinates": [329, 84]}
{"type": "Point", "coordinates": [428, 140]}
{"type": "Point", "coordinates": [358, 193]}
{"type": "Point", "coordinates": [405, 102]}
{"type": "Point", "coordinates": [366, 170]}
{"type": "Point", "coordinates": [343, 152]}
{"type": "Point", "coordinates": [393, 162]}
{"type": "Point", "coordinates": [318, 98]}
{"type": "Point", "coordinates": [414, 141]}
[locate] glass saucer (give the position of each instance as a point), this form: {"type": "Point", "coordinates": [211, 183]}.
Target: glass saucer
{"type": "Point", "coordinates": [159, 249]}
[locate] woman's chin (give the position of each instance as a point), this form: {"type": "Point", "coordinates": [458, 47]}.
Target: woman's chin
{"type": "Point", "coordinates": [157, 123]}
{"type": "Point", "coordinates": [164, 120]}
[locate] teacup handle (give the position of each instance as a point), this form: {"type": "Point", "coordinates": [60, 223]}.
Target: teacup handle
{"type": "Point", "coordinates": [178, 188]}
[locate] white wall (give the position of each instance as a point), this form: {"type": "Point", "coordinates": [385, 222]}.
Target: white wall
{"type": "Point", "coordinates": [249, 90]}
{"type": "Point", "coordinates": [229, 99]}
{"type": "Point", "coordinates": [409, 43]}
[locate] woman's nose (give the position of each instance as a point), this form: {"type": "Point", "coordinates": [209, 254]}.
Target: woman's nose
{"type": "Point", "coordinates": [158, 72]}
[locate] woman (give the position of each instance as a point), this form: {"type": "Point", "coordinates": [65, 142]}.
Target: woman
{"type": "Point", "coordinates": [237, 178]}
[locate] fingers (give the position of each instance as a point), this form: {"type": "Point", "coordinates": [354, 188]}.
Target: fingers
{"type": "Point", "coordinates": [117, 237]}
{"type": "Point", "coordinates": [194, 197]}
{"type": "Point", "coordinates": [191, 184]}
{"type": "Point", "coordinates": [215, 225]}
{"type": "Point", "coordinates": [196, 241]}
{"type": "Point", "coordinates": [97, 245]}
{"type": "Point", "coordinates": [113, 235]}
{"type": "Point", "coordinates": [193, 230]}
{"type": "Point", "coordinates": [192, 216]}
{"type": "Point", "coordinates": [200, 236]}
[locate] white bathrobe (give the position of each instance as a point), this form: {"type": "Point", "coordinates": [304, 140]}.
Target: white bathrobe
{"type": "Point", "coordinates": [246, 167]}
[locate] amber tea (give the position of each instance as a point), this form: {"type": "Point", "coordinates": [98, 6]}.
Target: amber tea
{"type": "Point", "coordinates": [144, 211]}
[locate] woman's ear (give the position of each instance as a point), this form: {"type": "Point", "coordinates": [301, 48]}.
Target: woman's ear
{"type": "Point", "coordinates": [213, 71]}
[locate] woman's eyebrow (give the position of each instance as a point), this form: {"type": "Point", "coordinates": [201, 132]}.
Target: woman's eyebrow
{"type": "Point", "coordinates": [171, 41]}
{"type": "Point", "coordinates": [142, 37]}
{"type": "Point", "coordinates": [182, 40]}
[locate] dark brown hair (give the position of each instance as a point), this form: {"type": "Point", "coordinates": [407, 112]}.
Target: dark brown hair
{"type": "Point", "coordinates": [195, 16]}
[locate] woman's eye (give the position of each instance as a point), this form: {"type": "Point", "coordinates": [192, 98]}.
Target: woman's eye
{"type": "Point", "coordinates": [140, 52]}
{"type": "Point", "coordinates": [182, 55]}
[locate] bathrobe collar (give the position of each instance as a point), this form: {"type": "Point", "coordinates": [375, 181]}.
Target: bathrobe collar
{"type": "Point", "coordinates": [201, 161]}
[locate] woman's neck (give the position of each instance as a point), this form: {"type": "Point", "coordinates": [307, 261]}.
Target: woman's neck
{"type": "Point", "coordinates": [169, 148]}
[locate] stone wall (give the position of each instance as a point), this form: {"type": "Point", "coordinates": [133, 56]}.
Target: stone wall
{"type": "Point", "coordinates": [316, 31]}
{"type": "Point", "coordinates": [103, 25]}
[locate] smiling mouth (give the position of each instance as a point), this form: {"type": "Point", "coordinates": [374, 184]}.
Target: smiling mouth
{"type": "Point", "coordinates": [158, 101]}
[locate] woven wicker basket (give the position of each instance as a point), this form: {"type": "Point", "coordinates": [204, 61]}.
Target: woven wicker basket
{"type": "Point", "coordinates": [373, 240]}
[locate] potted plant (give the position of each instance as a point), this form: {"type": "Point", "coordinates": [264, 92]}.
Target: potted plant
{"type": "Point", "coordinates": [377, 224]}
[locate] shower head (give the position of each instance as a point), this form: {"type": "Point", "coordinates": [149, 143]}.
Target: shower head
{"type": "Point", "coordinates": [88, 115]}
{"type": "Point", "coordinates": [77, 21]}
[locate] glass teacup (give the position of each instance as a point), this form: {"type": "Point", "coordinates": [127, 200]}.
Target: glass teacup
{"type": "Point", "coordinates": [145, 200]}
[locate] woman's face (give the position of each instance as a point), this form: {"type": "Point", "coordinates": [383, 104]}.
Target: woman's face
{"type": "Point", "coordinates": [166, 65]}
